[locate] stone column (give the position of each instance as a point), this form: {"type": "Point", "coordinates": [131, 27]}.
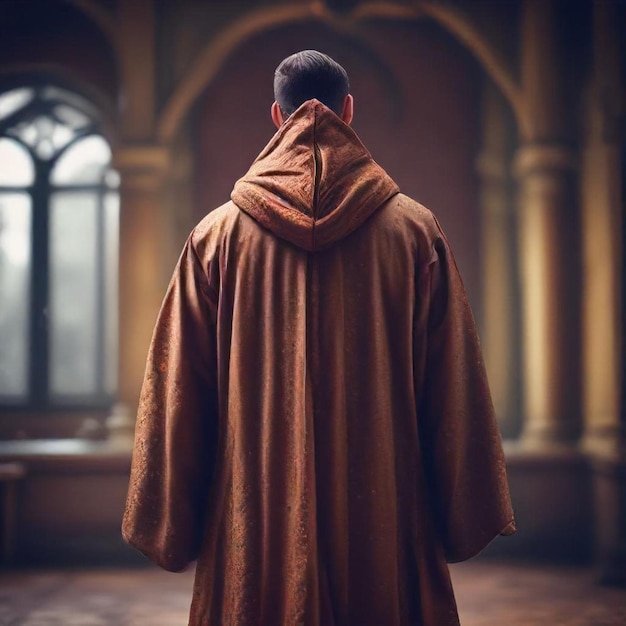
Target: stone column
{"type": "Point", "coordinates": [499, 284]}
{"type": "Point", "coordinates": [141, 165]}
{"type": "Point", "coordinates": [142, 277]}
{"type": "Point", "coordinates": [178, 197]}
{"type": "Point", "coordinates": [603, 281]}
{"type": "Point", "coordinates": [602, 205]}
{"type": "Point", "coordinates": [137, 34]}
{"type": "Point", "coordinates": [545, 168]}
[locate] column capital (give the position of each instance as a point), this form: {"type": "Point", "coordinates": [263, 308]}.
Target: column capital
{"type": "Point", "coordinates": [533, 158]}
{"type": "Point", "coordinates": [491, 166]}
{"type": "Point", "coordinates": [141, 165]}
{"type": "Point", "coordinates": [144, 172]}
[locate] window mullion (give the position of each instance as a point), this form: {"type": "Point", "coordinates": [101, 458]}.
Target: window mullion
{"type": "Point", "coordinates": [100, 282]}
{"type": "Point", "coordinates": [39, 349]}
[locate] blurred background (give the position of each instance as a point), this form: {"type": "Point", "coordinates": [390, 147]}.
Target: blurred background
{"type": "Point", "coordinates": [123, 122]}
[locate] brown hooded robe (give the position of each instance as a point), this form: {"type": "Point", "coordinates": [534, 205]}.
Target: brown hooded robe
{"type": "Point", "coordinates": [315, 426]}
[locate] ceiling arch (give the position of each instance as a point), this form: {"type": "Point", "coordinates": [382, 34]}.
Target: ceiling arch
{"type": "Point", "coordinates": [103, 18]}
{"type": "Point", "coordinates": [210, 59]}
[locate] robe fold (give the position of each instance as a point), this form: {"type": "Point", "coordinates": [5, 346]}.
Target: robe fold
{"type": "Point", "coordinates": [315, 426]}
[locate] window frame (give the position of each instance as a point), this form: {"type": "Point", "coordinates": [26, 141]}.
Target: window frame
{"type": "Point", "coordinates": [39, 397]}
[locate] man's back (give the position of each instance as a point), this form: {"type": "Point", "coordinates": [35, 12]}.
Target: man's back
{"type": "Point", "coordinates": [316, 336]}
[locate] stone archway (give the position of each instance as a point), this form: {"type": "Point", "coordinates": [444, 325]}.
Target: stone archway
{"type": "Point", "coordinates": [210, 59]}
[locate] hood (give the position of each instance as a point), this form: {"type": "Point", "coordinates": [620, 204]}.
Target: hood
{"type": "Point", "coordinates": [315, 182]}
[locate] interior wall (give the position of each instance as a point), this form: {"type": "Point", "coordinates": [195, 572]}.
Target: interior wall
{"type": "Point", "coordinates": [56, 35]}
{"type": "Point", "coordinates": [416, 96]}
{"type": "Point", "coordinates": [417, 109]}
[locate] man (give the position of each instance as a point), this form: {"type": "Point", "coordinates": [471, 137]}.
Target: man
{"type": "Point", "coordinates": [315, 426]}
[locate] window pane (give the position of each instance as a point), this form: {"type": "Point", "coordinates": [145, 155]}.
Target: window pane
{"type": "Point", "coordinates": [15, 216]}
{"type": "Point", "coordinates": [13, 100]}
{"type": "Point", "coordinates": [52, 92]}
{"type": "Point", "coordinates": [16, 166]}
{"type": "Point", "coordinates": [71, 117]}
{"type": "Point", "coordinates": [45, 135]}
{"type": "Point", "coordinates": [84, 162]}
{"type": "Point", "coordinates": [60, 136]}
{"type": "Point", "coordinates": [73, 293]}
{"type": "Point", "coordinates": [112, 179]}
{"type": "Point", "coordinates": [111, 255]}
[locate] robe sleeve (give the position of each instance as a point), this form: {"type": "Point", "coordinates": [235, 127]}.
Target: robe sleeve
{"type": "Point", "coordinates": [176, 425]}
{"type": "Point", "coordinates": [462, 448]}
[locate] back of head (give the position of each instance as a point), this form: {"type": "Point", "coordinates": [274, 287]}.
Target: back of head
{"type": "Point", "coordinates": [310, 74]}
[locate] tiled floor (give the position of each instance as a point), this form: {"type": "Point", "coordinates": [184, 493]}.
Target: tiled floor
{"type": "Point", "coordinates": [508, 595]}
{"type": "Point", "coordinates": [487, 594]}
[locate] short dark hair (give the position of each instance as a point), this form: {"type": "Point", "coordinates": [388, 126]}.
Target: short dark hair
{"type": "Point", "coordinates": [310, 74]}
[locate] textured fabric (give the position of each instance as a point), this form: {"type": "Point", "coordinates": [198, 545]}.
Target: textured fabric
{"type": "Point", "coordinates": [315, 426]}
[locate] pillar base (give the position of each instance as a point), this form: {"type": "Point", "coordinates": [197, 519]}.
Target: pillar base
{"type": "Point", "coordinates": [608, 442]}
{"type": "Point", "coordinates": [120, 426]}
{"type": "Point", "coordinates": [548, 437]}
{"type": "Point", "coordinates": [612, 572]}
{"type": "Point", "coordinates": [552, 499]}
{"type": "Point", "coordinates": [609, 481]}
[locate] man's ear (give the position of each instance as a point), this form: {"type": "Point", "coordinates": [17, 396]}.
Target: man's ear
{"type": "Point", "coordinates": [348, 109]}
{"type": "Point", "coordinates": [277, 115]}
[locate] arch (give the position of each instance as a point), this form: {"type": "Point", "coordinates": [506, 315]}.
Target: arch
{"type": "Point", "coordinates": [102, 18]}
{"type": "Point", "coordinates": [466, 33]}
{"type": "Point", "coordinates": [211, 58]}
{"type": "Point", "coordinates": [28, 73]}
{"type": "Point", "coordinates": [56, 32]}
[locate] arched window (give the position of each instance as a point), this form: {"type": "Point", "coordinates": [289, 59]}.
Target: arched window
{"type": "Point", "coordinates": [58, 252]}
